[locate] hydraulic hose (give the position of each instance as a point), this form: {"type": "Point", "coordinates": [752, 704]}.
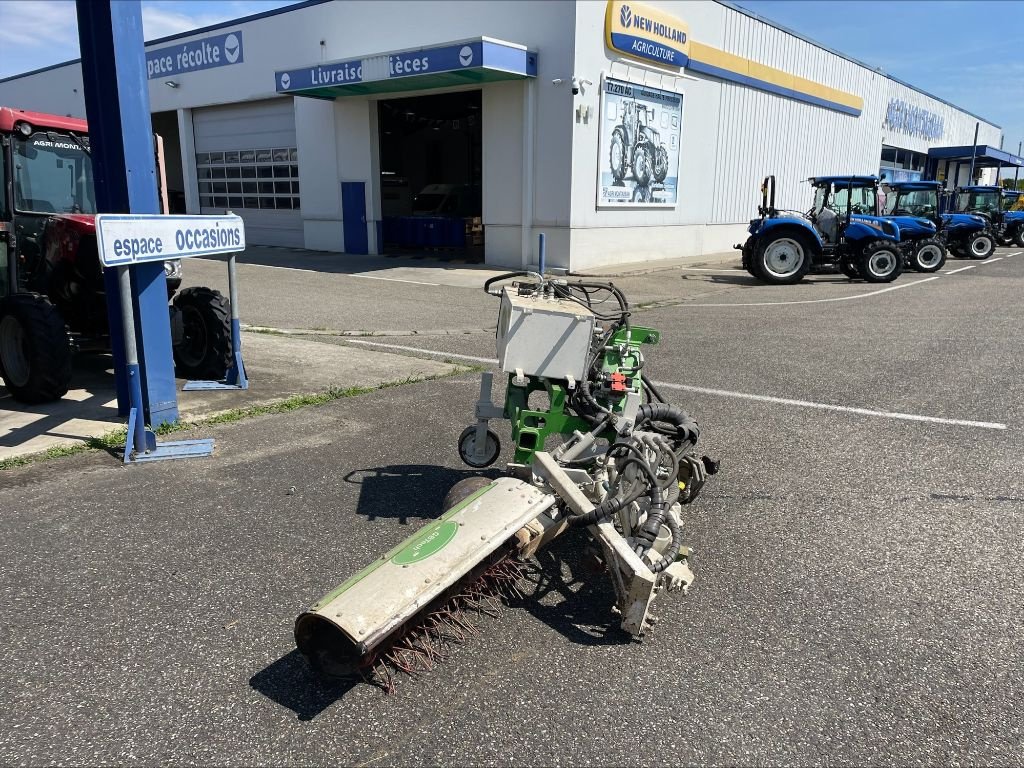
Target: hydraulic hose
{"type": "Point", "coordinates": [686, 429]}
{"type": "Point", "coordinates": [670, 554]}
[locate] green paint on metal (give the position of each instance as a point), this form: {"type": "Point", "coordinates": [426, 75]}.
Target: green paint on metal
{"type": "Point", "coordinates": [638, 335]}
{"type": "Point", "coordinates": [356, 578]}
{"type": "Point", "coordinates": [427, 542]}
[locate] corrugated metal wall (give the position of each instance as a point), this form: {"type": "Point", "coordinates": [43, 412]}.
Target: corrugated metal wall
{"type": "Point", "coordinates": [760, 133]}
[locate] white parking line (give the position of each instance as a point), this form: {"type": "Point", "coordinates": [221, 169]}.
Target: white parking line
{"type": "Point", "coordinates": [830, 407]}
{"type": "Point", "coordinates": [342, 274]}
{"type": "Point", "coordinates": [1015, 253]}
{"type": "Point", "coordinates": [954, 271]}
{"type": "Point", "coordinates": [989, 261]}
{"type": "Point", "coordinates": [686, 305]}
{"type": "Point", "coordinates": [724, 392]}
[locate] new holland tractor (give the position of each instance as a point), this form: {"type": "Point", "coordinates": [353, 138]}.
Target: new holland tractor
{"type": "Point", "coordinates": [52, 300]}
{"type": "Point", "coordinates": [965, 235]}
{"type": "Point", "coordinates": [840, 230]}
{"type": "Point", "coordinates": [597, 451]}
{"type": "Point", "coordinates": [636, 147]}
{"type": "Point", "coordinates": [995, 205]}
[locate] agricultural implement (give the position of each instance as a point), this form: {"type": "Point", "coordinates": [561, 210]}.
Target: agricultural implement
{"type": "Point", "coordinates": [603, 455]}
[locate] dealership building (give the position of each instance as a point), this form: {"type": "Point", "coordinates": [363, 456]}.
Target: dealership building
{"type": "Point", "coordinates": [624, 131]}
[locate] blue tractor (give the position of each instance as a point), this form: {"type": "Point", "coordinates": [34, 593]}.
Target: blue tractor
{"type": "Point", "coordinates": [840, 230]}
{"type": "Point", "coordinates": [965, 235]}
{"type": "Point", "coordinates": [995, 205]}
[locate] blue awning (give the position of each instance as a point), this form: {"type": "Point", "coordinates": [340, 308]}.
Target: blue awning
{"type": "Point", "coordinates": [984, 156]}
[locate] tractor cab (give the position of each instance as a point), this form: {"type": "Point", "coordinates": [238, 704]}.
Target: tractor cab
{"type": "Point", "coordinates": [996, 205]}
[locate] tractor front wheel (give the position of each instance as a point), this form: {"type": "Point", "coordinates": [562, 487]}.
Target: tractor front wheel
{"type": "Point", "coordinates": [643, 164]}
{"type": "Point", "coordinates": [880, 262]}
{"type": "Point", "coordinates": [980, 245]}
{"type": "Point", "coordinates": [1018, 238]}
{"type": "Point", "coordinates": [203, 349]}
{"type": "Point", "coordinates": [617, 154]}
{"type": "Point", "coordinates": [929, 255]}
{"type": "Point", "coordinates": [781, 259]}
{"type": "Point", "coordinates": [35, 357]}
{"type": "Point", "coordinates": [660, 164]}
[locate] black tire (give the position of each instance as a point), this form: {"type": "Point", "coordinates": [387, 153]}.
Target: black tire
{"type": "Point", "coordinates": [35, 356]}
{"type": "Point", "coordinates": [643, 164]}
{"type": "Point", "coordinates": [467, 446]}
{"type": "Point", "coordinates": [980, 245]}
{"type": "Point", "coordinates": [462, 490]}
{"type": "Point", "coordinates": [849, 268]}
{"type": "Point", "coordinates": [880, 262]}
{"type": "Point", "coordinates": [781, 258]}
{"type": "Point", "coordinates": [660, 164]}
{"type": "Point", "coordinates": [204, 350]}
{"type": "Point", "coordinates": [617, 154]}
{"type": "Point", "coordinates": [1018, 238]}
{"type": "Point", "coordinates": [929, 255]}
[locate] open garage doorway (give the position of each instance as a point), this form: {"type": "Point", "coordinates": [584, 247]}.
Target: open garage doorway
{"type": "Point", "coordinates": [431, 176]}
{"type": "Point", "coordinates": [165, 125]}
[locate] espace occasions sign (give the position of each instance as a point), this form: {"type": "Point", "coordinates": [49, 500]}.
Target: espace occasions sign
{"type": "Point", "coordinates": [643, 32]}
{"type": "Point", "coordinates": [195, 55]}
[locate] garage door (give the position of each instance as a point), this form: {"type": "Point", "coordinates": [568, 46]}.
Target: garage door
{"type": "Point", "coordinates": [246, 162]}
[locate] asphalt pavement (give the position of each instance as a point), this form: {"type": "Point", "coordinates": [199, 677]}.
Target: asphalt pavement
{"type": "Point", "coordinates": [857, 597]}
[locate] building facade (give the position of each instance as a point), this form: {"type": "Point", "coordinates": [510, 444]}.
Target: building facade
{"type": "Point", "coordinates": [624, 131]}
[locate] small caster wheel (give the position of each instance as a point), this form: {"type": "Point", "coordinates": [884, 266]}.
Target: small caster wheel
{"type": "Point", "coordinates": [467, 448]}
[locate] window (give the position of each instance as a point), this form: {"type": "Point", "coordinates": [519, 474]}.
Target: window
{"type": "Point", "coordinates": [863, 200]}
{"type": "Point", "coordinates": [264, 179]}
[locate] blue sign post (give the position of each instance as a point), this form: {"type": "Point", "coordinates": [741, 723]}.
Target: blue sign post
{"type": "Point", "coordinates": [120, 128]}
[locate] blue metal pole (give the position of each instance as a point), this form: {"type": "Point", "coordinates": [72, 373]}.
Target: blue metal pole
{"type": "Point", "coordinates": [121, 139]}
{"type": "Point", "coordinates": [543, 252]}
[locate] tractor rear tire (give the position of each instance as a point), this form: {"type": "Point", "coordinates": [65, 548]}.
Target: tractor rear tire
{"type": "Point", "coordinates": [929, 255]}
{"type": "Point", "coordinates": [35, 356]}
{"type": "Point", "coordinates": [880, 262]}
{"type": "Point", "coordinates": [204, 351]}
{"type": "Point", "coordinates": [781, 259]}
{"type": "Point", "coordinates": [980, 245]}
{"type": "Point", "coordinates": [1018, 239]}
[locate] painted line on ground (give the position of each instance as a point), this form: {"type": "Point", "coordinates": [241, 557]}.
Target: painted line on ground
{"type": "Point", "coordinates": [339, 274]}
{"type": "Point", "coordinates": [830, 407]}
{"type": "Point", "coordinates": [809, 301]}
{"type": "Point", "coordinates": [989, 261]}
{"type": "Point", "coordinates": [727, 393]}
{"type": "Point", "coordinates": [954, 271]}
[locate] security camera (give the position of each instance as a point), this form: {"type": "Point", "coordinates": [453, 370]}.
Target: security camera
{"type": "Point", "coordinates": [575, 86]}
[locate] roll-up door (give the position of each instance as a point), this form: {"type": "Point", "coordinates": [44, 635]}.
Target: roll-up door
{"type": "Point", "coordinates": [247, 162]}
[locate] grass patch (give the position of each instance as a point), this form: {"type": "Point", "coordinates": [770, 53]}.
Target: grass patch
{"type": "Point", "coordinates": [115, 439]}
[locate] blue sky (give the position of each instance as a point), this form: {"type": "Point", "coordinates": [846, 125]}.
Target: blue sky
{"type": "Point", "coordinates": [970, 52]}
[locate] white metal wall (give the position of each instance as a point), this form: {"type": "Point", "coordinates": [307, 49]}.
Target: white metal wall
{"type": "Point", "coordinates": [253, 125]}
{"type": "Point", "coordinates": [760, 133]}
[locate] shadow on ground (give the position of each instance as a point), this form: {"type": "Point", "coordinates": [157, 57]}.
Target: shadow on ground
{"type": "Point", "coordinates": [291, 682]}
{"type": "Point", "coordinates": [407, 491]}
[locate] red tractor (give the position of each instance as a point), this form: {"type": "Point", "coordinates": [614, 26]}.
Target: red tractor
{"type": "Point", "coordinates": [52, 300]}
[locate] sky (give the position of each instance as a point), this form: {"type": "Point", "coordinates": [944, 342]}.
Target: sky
{"type": "Point", "coordinates": [969, 53]}
{"type": "Point", "coordinates": [957, 50]}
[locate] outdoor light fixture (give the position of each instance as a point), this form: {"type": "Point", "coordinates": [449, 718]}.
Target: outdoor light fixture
{"type": "Point", "coordinates": [171, 84]}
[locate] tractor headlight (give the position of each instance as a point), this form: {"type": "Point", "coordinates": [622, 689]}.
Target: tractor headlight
{"type": "Point", "coordinates": [25, 129]}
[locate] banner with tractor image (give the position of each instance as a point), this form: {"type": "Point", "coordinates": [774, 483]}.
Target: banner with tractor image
{"type": "Point", "coordinates": [638, 145]}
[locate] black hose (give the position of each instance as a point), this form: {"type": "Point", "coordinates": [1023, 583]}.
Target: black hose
{"type": "Point", "coordinates": [652, 389]}
{"type": "Point", "coordinates": [670, 554]}
{"type": "Point", "coordinates": [686, 429]}
{"type": "Point", "coordinates": [506, 276]}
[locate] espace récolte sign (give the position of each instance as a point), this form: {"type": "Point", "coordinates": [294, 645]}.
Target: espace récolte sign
{"type": "Point", "coordinates": [195, 55]}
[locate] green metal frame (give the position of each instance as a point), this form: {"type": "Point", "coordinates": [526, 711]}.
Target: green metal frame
{"type": "Point", "coordinates": [531, 429]}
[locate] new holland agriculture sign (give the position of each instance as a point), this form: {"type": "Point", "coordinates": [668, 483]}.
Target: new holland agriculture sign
{"type": "Point", "coordinates": [643, 32]}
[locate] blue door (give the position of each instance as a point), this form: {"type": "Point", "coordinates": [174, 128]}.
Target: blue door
{"type": "Point", "coordinates": [353, 214]}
